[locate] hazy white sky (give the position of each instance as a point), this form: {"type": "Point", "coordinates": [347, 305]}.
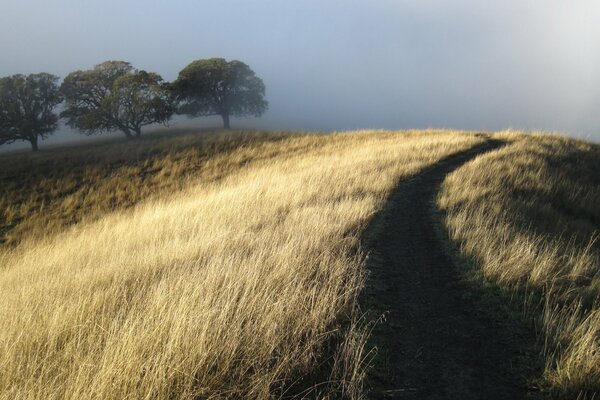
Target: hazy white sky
{"type": "Point", "coordinates": [344, 64]}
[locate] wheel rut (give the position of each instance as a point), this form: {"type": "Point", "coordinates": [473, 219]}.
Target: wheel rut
{"type": "Point", "coordinates": [435, 341]}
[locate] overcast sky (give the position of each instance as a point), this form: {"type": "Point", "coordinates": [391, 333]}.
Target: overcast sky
{"type": "Point", "coordinates": [344, 64]}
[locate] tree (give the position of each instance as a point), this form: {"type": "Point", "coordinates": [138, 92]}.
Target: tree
{"type": "Point", "coordinates": [217, 87]}
{"type": "Point", "coordinates": [26, 107]}
{"type": "Point", "coordinates": [114, 96]}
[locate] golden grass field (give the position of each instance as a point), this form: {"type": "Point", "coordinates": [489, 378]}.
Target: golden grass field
{"type": "Point", "coordinates": [197, 266]}
{"type": "Point", "coordinates": [47, 192]}
{"type": "Point", "coordinates": [528, 215]}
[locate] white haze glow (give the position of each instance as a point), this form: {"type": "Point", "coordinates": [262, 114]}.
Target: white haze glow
{"type": "Point", "coordinates": [336, 65]}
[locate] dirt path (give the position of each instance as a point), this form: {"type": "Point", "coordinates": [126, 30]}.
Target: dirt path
{"type": "Point", "coordinates": [437, 341]}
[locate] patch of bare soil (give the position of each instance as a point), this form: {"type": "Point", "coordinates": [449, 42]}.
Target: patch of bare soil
{"type": "Point", "coordinates": [438, 340]}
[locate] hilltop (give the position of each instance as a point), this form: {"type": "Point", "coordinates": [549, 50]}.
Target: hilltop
{"type": "Point", "coordinates": [241, 265]}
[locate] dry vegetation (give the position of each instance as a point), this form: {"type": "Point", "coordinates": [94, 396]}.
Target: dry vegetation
{"type": "Point", "coordinates": [47, 191]}
{"type": "Point", "coordinates": [529, 216]}
{"type": "Point", "coordinates": [242, 284]}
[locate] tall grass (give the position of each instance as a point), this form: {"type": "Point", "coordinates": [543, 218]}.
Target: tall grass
{"type": "Point", "coordinates": [529, 215]}
{"type": "Point", "coordinates": [55, 188]}
{"type": "Point", "coordinates": [241, 287]}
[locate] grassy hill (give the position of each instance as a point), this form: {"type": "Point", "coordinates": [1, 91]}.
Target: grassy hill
{"type": "Point", "coordinates": [528, 217]}
{"type": "Point", "coordinates": [203, 267]}
{"type": "Point", "coordinates": [229, 265]}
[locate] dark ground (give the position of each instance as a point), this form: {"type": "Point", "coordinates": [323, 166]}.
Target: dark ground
{"type": "Point", "coordinates": [438, 340]}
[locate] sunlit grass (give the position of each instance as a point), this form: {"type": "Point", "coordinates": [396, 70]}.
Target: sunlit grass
{"type": "Point", "coordinates": [529, 215]}
{"type": "Point", "coordinates": [240, 283]}
{"type": "Point", "coordinates": [50, 190]}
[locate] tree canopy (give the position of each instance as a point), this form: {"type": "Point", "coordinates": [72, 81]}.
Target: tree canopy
{"type": "Point", "coordinates": [115, 96]}
{"type": "Point", "coordinates": [218, 87]}
{"type": "Point", "coordinates": [26, 107]}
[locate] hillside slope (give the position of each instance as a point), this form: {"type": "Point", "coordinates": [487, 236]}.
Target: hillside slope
{"type": "Point", "coordinates": [45, 192]}
{"type": "Point", "coordinates": [241, 283]}
{"type": "Point", "coordinates": [527, 218]}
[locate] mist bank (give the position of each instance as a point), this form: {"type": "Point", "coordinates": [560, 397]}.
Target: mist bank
{"type": "Point", "coordinates": [343, 65]}
{"type": "Point", "coordinates": [67, 136]}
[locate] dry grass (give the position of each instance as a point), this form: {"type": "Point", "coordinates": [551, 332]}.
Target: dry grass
{"type": "Point", "coordinates": [239, 287]}
{"type": "Point", "coordinates": [529, 215]}
{"type": "Point", "coordinates": [50, 190]}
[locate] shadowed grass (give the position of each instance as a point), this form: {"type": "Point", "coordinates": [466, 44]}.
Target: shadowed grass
{"type": "Point", "coordinates": [241, 284]}
{"type": "Point", "coordinates": [55, 188]}
{"type": "Point", "coordinates": [529, 215]}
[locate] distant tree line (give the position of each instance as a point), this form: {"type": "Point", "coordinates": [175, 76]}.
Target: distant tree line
{"type": "Point", "coordinates": [114, 96]}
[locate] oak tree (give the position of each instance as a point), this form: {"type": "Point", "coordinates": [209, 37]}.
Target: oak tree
{"type": "Point", "coordinates": [219, 87]}
{"type": "Point", "coordinates": [26, 107]}
{"type": "Point", "coordinates": [115, 96]}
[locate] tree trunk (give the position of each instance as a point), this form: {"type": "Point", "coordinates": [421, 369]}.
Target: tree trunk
{"type": "Point", "coordinates": [225, 120]}
{"type": "Point", "coordinates": [34, 144]}
{"type": "Point", "coordinates": [138, 132]}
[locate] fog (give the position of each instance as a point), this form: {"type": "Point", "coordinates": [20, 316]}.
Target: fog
{"type": "Point", "coordinates": [338, 65]}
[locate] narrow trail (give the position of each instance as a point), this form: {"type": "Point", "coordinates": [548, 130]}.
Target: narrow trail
{"type": "Point", "coordinates": [436, 341]}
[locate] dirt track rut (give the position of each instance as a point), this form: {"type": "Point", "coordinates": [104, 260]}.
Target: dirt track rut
{"type": "Point", "coordinates": [436, 342]}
